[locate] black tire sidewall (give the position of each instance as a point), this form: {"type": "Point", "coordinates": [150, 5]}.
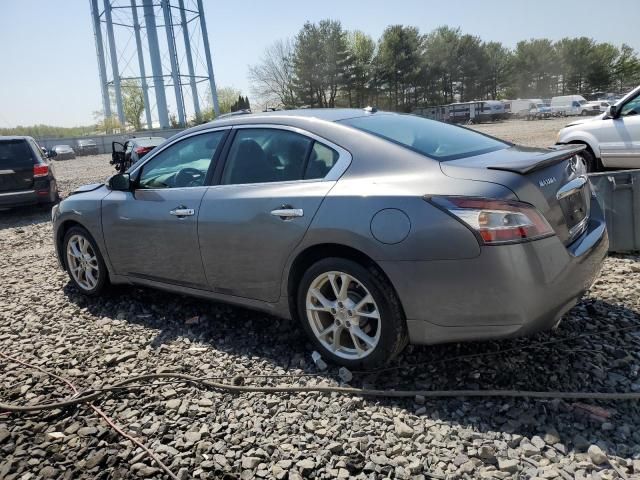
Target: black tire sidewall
{"type": "Point", "coordinates": [393, 325]}
{"type": "Point", "coordinates": [103, 278]}
{"type": "Point", "coordinates": [589, 160]}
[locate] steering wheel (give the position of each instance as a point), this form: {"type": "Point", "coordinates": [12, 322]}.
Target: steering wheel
{"type": "Point", "coordinates": [189, 177]}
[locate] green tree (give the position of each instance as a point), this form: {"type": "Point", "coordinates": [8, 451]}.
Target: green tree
{"type": "Point", "coordinates": [471, 66]}
{"type": "Point", "coordinates": [498, 69]}
{"type": "Point", "coordinates": [600, 73]}
{"type": "Point", "coordinates": [536, 65]}
{"type": "Point", "coordinates": [133, 103]}
{"type": "Point", "coordinates": [358, 68]}
{"type": "Point", "coordinates": [400, 57]}
{"type": "Point", "coordinates": [319, 62]}
{"type": "Point", "coordinates": [441, 55]}
{"type": "Point", "coordinates": [626, 68]}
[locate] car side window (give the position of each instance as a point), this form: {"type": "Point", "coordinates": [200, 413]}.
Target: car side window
{"type": "Point", "coordinates": [183, 164]}
{"type": "Point", "coordinates": [322, 160]}
{"type": "Point", "coordinates": [264, 155]}
{"type": "Point", "coordinates": [631, 108]}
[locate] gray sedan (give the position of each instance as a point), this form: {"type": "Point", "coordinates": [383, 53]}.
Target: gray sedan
{"type": "Point", "coordinates": [372, 229]}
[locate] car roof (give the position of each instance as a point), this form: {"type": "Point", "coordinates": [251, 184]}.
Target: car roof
{"type": "Point", "coordinates": [15, 137]}
{"type": "Point", "coordinates": [287, 117]}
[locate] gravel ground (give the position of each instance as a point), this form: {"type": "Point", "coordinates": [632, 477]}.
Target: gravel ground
{"type": "Point", "coordinates": [535, 133]}
{"type": "Point", "coordinates": [207, 434]}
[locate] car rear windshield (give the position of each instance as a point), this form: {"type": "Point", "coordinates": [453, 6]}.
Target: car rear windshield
{"type": "Point", "coordinates": [14, 153]}
{"type": "Point", "coordinates": [437, 140]}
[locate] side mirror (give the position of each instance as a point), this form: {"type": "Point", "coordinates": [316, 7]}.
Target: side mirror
{"type": "Point", "coordinates": [612, 111]}
{"type": "Point", "coordinates": [120, 182]}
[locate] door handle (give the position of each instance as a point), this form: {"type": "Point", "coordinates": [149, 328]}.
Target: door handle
{"type": "Point", "coordinates": [287, 213]}
{"type": "Point", "coordinates": [183, 212]}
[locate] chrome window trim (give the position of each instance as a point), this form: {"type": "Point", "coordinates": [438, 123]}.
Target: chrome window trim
{"type": "Point", "coordinates": [334, 174]}
{"type": "Point", "coordinates": [165, 146]}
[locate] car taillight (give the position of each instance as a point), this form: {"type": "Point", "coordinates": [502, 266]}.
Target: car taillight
{"type": "Point", "coordinates": [40, 170]}
{"type": "Point", "coordinates": [143, 150]}
{"type": "Point", "coordinates": [496, 221]}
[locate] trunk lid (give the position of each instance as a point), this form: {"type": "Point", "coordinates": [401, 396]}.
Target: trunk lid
{"type": "Point", "coordinates": [16, 165]}
{"type": "Point", "coordinates": [550, 179]}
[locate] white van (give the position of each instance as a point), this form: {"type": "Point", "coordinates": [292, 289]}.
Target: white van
{"type": "Point", "coordinates": [569, 105]}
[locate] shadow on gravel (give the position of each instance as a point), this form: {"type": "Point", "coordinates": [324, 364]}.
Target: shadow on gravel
{"type": "Point", "coordinates": [603, 362]}
{"type": "Point", "coordinates": [24, 216]}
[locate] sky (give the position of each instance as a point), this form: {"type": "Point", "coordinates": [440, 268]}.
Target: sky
{"type": "Point", "coordinates": [49, 73]}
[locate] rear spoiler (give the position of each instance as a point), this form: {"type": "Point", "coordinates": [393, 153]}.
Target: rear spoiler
{"type": "Point", "coordinates": [556, 154]}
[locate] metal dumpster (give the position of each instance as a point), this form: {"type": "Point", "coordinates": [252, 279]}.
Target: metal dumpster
{"type": "Point", "coordinates": [619, 196]}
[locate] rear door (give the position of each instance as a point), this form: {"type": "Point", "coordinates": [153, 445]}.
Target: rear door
{"type": "Point", "coordinates": [16, 165]}
{"type": "Point", "coordinates": [620, 137]}
{"type": "Point", "coordinates": [152, 231]}
{"type": "Point", "coordinates": [273, 182]}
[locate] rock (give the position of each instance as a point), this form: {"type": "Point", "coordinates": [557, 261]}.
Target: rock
{"type": "Point", "coordinates": [507, 465]}
{"type": "Point", "coordinates": [278, 472]}
{"type": "Point", "coordinates": [87, 431]}
{"type": "Point", "coordinates": [48, 472]}
{"type": "Point", "coordinates": [487, 453]}
{"type": "Point", "coordinates": [597, 456]}
{"type": "Point", "coordinates": [96, 459]}
{"type": "Point", "coordinates": [192, 437]}
{"type": "Point", "coordinates": [551, 436]}
{"type": "Point", "coordinates": [306, 465]}
{"type": "Point", "coordinates": [345, 374]}
{"type": "Point", "coordinates": [402, 429]}
{"type": "Point", "coordinates": [538, 442]}
{"type": "Point", "coordinates": [173, 404]}
{"type": "Point", "coordinates": [318, 361]}
{"type": "Point", "coordinates": [4, 434]}
{"type": "Point", "coordinates": [250, 462]}
{"type": "Point", "coordinates": [53, 436]}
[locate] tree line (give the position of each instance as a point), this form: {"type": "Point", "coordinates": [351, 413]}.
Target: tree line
{"type": "Point", "coordinates": [325, 65]}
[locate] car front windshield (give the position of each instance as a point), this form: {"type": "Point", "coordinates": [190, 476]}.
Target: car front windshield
{"type": "Point", "coordinates": [434, 139]}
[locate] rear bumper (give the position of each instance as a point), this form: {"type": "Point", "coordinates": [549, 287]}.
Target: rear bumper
{"type": "Point", "coordinates": [507, 290]}
{"type": "Point", "coordinates": [41, 193]}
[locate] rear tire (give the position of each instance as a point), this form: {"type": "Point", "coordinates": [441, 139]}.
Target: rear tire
{"type": "Point", "coordinates": [362, 326]}
{"type": "Point", "coordinates": [84, 262]}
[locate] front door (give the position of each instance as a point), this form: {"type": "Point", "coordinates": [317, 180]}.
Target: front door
{"type": "Point", "coordinates": [620, 137]}
{"type": "Point", "coordinates": [273, 182]}
{"type": "Point", "coordinates": [152, 231]}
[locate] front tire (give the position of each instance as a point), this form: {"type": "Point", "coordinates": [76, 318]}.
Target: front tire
{"type": "Point", "coordinates": [351, 313]}
{"type": "Point", "coordinates": [84, 262]}
{"type": "Point", "coordinates": [589, 160]}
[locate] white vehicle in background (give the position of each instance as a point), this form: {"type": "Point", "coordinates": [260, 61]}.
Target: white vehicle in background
{"type": "Point", "coordinates": [612, 138]}
{"type": "Point", "coordinates": [569, 105]}
{"type": "Point", "coordinates": [521, 107]}
{"type": "Point", "coordinates": [598, 106]}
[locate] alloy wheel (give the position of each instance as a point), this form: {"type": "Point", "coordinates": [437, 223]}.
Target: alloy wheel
{"type": "Point", "coordinates": [82, 262]}
{"type": "Point", "coordinates": [343, 315]}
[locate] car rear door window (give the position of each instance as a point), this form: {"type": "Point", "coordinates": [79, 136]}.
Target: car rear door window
{"type": "Point", "coordinates": [183, 164]}
{"type": "Point", "coordinates": [264, 155]}
{"type": "Point", "coordinates": [322, 160]}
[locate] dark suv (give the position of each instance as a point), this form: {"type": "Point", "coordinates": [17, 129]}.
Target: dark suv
{"type": "Point", "coordinates": [26, 175]}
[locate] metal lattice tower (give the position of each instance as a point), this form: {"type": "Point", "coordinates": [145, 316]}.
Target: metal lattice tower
{"type": "Point", "coordinates": [158, 44]}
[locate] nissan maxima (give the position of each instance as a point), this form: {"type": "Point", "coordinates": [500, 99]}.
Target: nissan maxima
{"type": "Point", "coordinates": [372, 229]}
